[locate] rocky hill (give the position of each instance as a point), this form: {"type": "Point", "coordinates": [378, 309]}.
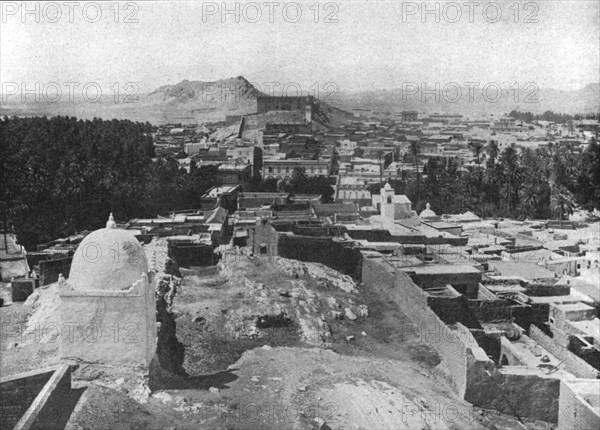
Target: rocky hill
{"type": "Point", "coordinates": [188, 102]}
{"type": "Point", "coordinates": [233, 96]}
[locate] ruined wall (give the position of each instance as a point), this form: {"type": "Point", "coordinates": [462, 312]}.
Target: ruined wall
{"type": "Point", "coordinates": [170, 352]}
{"type": "Point", "coordinates": [574, 412]}
{"type": "Point", "coordinates": [570, 361]}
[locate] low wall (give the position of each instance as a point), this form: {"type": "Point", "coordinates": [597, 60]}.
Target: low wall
{"type": "Point", "coordinates": [50, 269]}
{"type": "Point", "coordinates": [339, 256]}
{"type": "Point", "coordinates": [21, 289]}
{"type": "Point", "coordinates": [186, 255]}
{"type": "Point", "coordinates": [570, 361]}
{"type": "Point", "coordinates": [453, 346]}
{"type": "Point", "coordinates": [513, 391]}
{"type": "Point", "coordinates": [36, 400]}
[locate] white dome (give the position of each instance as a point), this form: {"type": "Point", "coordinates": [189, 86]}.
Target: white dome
{"type": "Point", "coordinates": [108, 259]}
{"type": "Point", "coordinates": [387, 186]}
{"type": "Point", "coordinates": [427, 213]}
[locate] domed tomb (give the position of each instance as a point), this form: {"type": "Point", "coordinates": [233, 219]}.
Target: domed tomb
{"type": "Point", "coordinates": [427, 212]}
{"type": "Point", "coordinates": [108, 259]}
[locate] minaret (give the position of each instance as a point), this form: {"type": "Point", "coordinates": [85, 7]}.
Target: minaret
{"type": "Point", "coordinates": [387, 201]}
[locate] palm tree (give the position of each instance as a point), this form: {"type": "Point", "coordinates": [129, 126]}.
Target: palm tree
{"type": "Point", "coordinates": [562, 202]}
{"type": "Point", "coordinates": [415, 150]}
{"type": "Point", "coordinates": [511, 176]}
{"type": "Point", "coordinates": [494, 150]}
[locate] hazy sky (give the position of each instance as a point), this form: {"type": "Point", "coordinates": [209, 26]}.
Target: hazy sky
{"type": "Point", "coordinates": [372, 44]}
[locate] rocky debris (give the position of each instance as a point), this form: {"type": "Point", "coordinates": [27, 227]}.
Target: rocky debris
{"type": "Point", "coordinates": [349, 314]}
{"type": "Point", "coordinates": [333, 303]}
{"type": "Point", "coordinates": [327, 278]}
{"type": "Point", "coordinates": [283, 293]}
{"type": "Point", "coordinates": [336, 315]}
{"type": "Point", "coordinates": [163, 397]}
{"type": "Point", "coordinates": [214, 390]}
{"type": "Point", "coordinates": [350, 338]}
{"type": "Point", "coordinates": [363, 311]}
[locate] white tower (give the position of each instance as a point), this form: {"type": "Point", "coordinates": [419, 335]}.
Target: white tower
{"type": "Point", "coordinates": [387, 201]}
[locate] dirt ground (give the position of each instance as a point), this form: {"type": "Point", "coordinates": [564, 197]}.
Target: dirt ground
{"type": "Point", "coordinates": [272, 344]}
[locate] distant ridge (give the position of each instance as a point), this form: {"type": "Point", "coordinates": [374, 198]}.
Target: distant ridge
{"type": "Point", "coordinates": [583, 101]}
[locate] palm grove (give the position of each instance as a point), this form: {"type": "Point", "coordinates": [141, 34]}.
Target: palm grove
{"type": "Point", "coordinates": [521, 183]}
{"type": "Point", "coordinates": [61, 175]}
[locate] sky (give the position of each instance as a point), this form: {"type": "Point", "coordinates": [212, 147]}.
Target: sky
{"type": "Point", "coordinates": [357, 45]}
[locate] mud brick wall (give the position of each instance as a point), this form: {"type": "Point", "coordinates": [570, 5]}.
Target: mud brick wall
{"type": "Point", "coordinates": [185, 255]}
{"type": "Point", "coordinates": [398, 286]}
{"type": "Point", "coordinates": [50, 269]}
{"type": "Point", "coordinates": [465, 283]}
{"type": "Point", "coordinates": [371, 235]}
{"type": "Point", "coordinates": [537, 314]}
{"type": "Point", "coordinates": [513, 393]}
{"type": "Point", "coordinates": [21, 289]}
{"type": "Point", "coordinates": [573, 411]}
{"type": "Point", "coordinates": [547, 290]}
{"type": "Point", "coordinates": [17, 395]}
{"type": "Point", "coordinates": [570, 361]}
{"type": "Point", "coordinates": [453, 309]}
{"type": "Point", "coordinates": [339, 256]}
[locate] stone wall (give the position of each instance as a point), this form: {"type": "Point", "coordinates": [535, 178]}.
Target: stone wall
{"type": "Point", "coordinates": [570, 361]}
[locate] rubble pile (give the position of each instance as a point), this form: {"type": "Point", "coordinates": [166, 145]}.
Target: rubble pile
{"type": "Point", "coordinates": [307, 295]}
